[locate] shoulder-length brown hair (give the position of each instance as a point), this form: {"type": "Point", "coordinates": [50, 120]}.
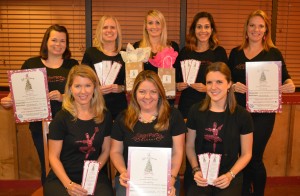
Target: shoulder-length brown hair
{"type": "Point", "coordinates": [267, 41]}
{"type": "Point", "coordinates": [98, 40]}
{"type": "Point", "coordinates": [230, 100]}
{"type": "Point", "coordinates": [97, 103]}
{"type": "Point", "coordinates": [163, 107]}
{"type": "Point", "coordinates": [191, 39]}
{"type": "Point", "coordinates": [44, 45]}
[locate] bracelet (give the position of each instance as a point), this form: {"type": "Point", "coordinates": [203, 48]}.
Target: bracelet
{"type": "Point", "coordinates": [232, 174]}
{"type": "Point", "coordinates": [233, 87]}
{"type": "Point", "coordinates": [175, 177]}
{"type": "Point", "coordinates": [69, 185]}
{"type": "Point", "coordinates": [195, 169]}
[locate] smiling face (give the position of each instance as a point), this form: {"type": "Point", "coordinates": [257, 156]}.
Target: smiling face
{"type": "Point", "coordinates": [147, 97]}
{"type": "Point", "coordinates": [82, 90]}
{"type": "Point", "coordinates": [57, 43]}
{"type": "Point", "coordinates": [217, 87]}
{"type": "Point", "coordinates": [153, 26]}
{"type": "Point", "coordinates": [256, 29]}
{"type": "Point", "coordinates": [203, 30]}
{"type": "Point", "coordinates": [109, 31]}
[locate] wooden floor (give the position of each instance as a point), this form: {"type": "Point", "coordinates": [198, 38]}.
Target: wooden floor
{"type": "Point", "coordinates": [276, 186]}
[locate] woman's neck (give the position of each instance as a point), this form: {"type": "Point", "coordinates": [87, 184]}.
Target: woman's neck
{"type": "Point", "coordinates": [155, 44]}
{"type": "Point", "coordinates": [84, 112]}
{"type": "Point", "coordinates": [53, 62]}
{"type": "Point", "coordinates": [253, 49]}
{"type": "Point", "coordinates": [202, 47]}
{"type": "Point", "coordinates": [109, 49]}
{"type": "Point", "coordinates": [217, 107]}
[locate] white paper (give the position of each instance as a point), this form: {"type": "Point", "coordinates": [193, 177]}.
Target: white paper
{"type": "Point", "coordinates": [29, 89]}
{"type": "Point", "coordinates": [149, 170]}
{"type": "Point", "coordinates": [90, 176]}
{"type": "Point", "coordinates": [263, 80]}
{"type": "Point", "coordinates": [210, 165]}
{"type": "Point", "coordinates": [112, 75]}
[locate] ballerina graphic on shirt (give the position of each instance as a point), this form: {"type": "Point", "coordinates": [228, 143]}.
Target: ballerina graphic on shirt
{"type": "Point", "coordinates": [215, 135]}
{"type": "Point", "coordinates": [89, 142]}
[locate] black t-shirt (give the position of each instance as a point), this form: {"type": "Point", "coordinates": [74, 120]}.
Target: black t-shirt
{"type": "Point", "coordinates": [115, 102]}
{"type": "Point", "coordinates": [144, 134]}
{"type": "Point", "coordinates": [82, 140]}
{"type": "Point", "coordinates": [190, 96]}
{"type": "Point", "coordinates": [221, 129]}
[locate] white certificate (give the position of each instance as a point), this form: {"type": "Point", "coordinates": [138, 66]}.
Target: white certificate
{"type": "Point", "coordinates": [149, 171]}
{"type": "Point", "coordinates": [29, 90]}
{"type": "Point", "coordinates": [263, 80]}
{"type": "Point", "coordinates": [90, 176]}
{"type": "Point", "coordinates": [210, 165]}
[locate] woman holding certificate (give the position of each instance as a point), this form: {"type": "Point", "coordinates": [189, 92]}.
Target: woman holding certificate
{"type": "Point", "coordinates": [55, 56]}
{"type": "Point", "coordinates": [107, 62]}
{"type": "Point", "coordinates": [219, 138]}
{"type": "Point", "coordinates": [79, 137]}
{"type": "Point", "coordinates": [201, 50]}
{"type": "Point", "coordinates": [149, 121]}
{"type": "Point", "coordinates": [257, 46]}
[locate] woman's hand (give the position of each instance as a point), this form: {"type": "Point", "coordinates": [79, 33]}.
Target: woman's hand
{"type": "Point", "coordinates": [76, 189]}
{"type": "Point", "coordinates": [199, 87]}
{"type": "Point", "coordinates": [200, 181]}
{"type": "Point", "coordinates": [288, 87]}
{"type": "Point", "coordinates": [181, 86]}
{"type": "Point", "coordinates": [239, 88]}
{"type": "Point", "coordinates": [106, 89]}
{"type": "Point", "coordinates": [172, 191]}
{"type": "Point", "coordinates": [115, 88]}
{"type": "Point", "coordinates": [124, 179]}
{"type": "Point", "coordinates": [55, 95]}
{"type": "Point", "coordinates": [223, 181]}
{"type": "Point", "coordinates": [6, 102]}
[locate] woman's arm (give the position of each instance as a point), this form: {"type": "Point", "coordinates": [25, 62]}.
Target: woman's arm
{"type": "Point", "coordinates": [246, 152]}
{"type": "Point", "coordinates": [177, 155]}
{"type": "Point", "coordinates": [116, 156]}
{"type": "Point", "coordinates": [288, 86]}
{"type": "Point", "coordinates": [102, 159]}
{"type": "Point", "coordinates": [55, 147]}
{"type": "Point", "coordinates": [6, 102]}
{"type": "Point", "coordinates": [192, 157]}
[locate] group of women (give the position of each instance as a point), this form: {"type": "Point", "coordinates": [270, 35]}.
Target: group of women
{"type": "Point", "coordinates": [214, 107]}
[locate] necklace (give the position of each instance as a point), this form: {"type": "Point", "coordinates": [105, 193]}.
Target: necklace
{"type": "Point", "coordinates": [147, 120]}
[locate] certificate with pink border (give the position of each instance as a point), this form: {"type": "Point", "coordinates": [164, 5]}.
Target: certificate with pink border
{"type": "Point", "coordinates": [29, 90]}
{"type": "Point", "coordinates": [263, 80]}
{"type": "Point", "coordinates": [149, 171]}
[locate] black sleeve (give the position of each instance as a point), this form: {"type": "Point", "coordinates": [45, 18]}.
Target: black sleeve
{"type": "Point", "coordinates": [86, 59]}
{"type": "Point", "coordinates": [230, 63]}
{"type": "Point", "coordinates": [117, 129]}
{"type": "Point", "coordinates": [108, 124]}
{"type": "Point", "coordinates": [177, 124]}
{"type": "Point", "coordinates": [179, 77]}
{"type": "Point", "coordinates": [57, 127]}
{"type": "Point", "coordinates": [221, 55]}
{"type": "Point", "coordinates": [244, 120]}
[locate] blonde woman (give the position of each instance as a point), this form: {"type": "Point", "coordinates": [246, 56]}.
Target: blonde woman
{"type": "Point", "coordinates": [79, 132]}
{"type": "Point", "coordinates": [106, 47]}
{"type": "Point", "coordinates": [257, 45]}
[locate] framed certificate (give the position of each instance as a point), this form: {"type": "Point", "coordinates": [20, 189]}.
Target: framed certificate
{"type": "Point", "coordinates": [263, 80]}
{"type": "Point", "coordinates": [29, 90]}
{"type": "Point", "coordinates": [149, 171]}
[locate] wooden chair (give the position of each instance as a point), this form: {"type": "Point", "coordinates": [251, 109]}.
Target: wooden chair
{"type": "Point", "coordinates": [45, 125]}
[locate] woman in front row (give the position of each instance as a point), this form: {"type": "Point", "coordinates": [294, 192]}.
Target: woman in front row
{"type": "Point", "coordinates": [150, 118]}
{"type": "Point", "coordinates": [218, 125]}
{"type": "Point", "coordinates": [79, 132]}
